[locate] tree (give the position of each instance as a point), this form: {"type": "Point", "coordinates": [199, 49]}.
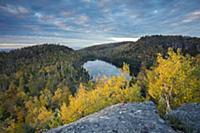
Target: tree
{"type": "Point", "coordinates": [170, 83]}
{"type": "Point", "coordinates": [105, 92]}
{"type": "Point", "coordinates": [63, 111]}
{"type": "Point", "coordinates": [60, 96]}
{"type": "Point", "coordinates": [45, 115]}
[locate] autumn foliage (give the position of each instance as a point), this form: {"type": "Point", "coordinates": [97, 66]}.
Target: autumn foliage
{"type": "Point", "coordinates": [172, 81]}
{"type": "Point", "coordinates": [105, 92]}
{"type": "Point", "coordinates": [26, 113]}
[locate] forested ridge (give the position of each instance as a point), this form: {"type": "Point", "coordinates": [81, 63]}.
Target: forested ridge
{"type": "Point", "coordinates": [45, 86]}
{"type": "Point", "coordinates": [41, 66]}
{"type": "Point", "coordinates": [141, 52]}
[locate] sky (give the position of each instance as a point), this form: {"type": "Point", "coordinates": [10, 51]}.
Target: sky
{"type": "Point", "coordinates": [81, 23]}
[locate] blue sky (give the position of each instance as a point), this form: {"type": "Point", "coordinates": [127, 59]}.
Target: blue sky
{"type": "Point", "coordinates": [80, 23]}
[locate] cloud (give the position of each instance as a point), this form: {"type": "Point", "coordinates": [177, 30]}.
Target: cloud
{"type": "Point", "coordinates": [103, 3]}
{"type": "Point", "coordinates": [189, 18]}
{"type": "Point", "coordinates": [39, 15]}
{"type": "Point", "coordinates": [60, 24]}
{"type": "Point", "coordinates": [66, 13]}
{"type": "Point", "coordinates": [193, 16]}
{"type": "Point", "coordinates": [82, 20]}
{"type": "Point", "coordinates": [87, 1]}
{"type": "Point", "coordinates": [96, 21]}
{"type": "Point", "coordinates": [64, 23]}
{"type": "Point", "coordinates": [121, 39]}
{"type": "Point", "coordinates": [18, 41]}
{"type": "Point", "coordinates": [15, 10]}
{"type": "Point", "coordinates": [7, 46]}
{"type": "Point", "coordinates": [49, 19]}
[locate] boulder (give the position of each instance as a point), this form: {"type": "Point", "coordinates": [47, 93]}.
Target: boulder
{"type": "Point", "coordinates": [120, 118]}
{"type": "Point", "coordinates": [186, 118]}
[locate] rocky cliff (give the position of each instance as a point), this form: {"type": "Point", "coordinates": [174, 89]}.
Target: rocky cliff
{"type": "Point", "coordinates": [186, 118]}
{"type": "Point", "coordinates": [120, 118]}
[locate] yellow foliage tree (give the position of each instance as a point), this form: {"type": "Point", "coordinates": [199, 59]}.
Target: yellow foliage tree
{"type": "Point", "coordinates": [125, 68]}
{"type": "Point", "coordinates": [44, 115]}
{"type": "Point", "coordinates": [170, 82]}
{"type": "Point", "coordinates": [105, 92]}
{"type": "Point", "coordinates": [63, 111]}
{"type": "Point", "coordinates": [61, 96]}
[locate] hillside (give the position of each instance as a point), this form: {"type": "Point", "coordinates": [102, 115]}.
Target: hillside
{"type": "Point", "coordinates": [42, 66]}
{"type": "Point", "coordinates": [45, 86]}
{"type": "Point", "coordinates": [140, 52]}
{"type": "Point", "coordinates": [28, 55]}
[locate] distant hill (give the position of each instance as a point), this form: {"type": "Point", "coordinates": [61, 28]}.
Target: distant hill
{"type": "Point", "coordinates": [143, 51]}
{"type": "Point", "coordinates": [25, 56]}
{"type": "Point", "coordinates": [41, 66]}
{"type": "Point", "coordinates": [54, 65]}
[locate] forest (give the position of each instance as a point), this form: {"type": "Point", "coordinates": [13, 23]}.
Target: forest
{"type": "Point", "coordinates": [141, 52]}
{"type": "Point", "coordinates": [45, 86]}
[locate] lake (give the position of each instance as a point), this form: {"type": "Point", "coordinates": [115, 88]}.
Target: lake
{"type": "Point", "coordinates": [99, 68]}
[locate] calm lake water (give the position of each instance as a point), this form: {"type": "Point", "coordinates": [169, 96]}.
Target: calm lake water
{"type": "Point", "coordinates": [99, 68]}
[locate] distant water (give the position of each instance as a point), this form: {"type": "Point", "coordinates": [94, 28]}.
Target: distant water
{"type": "Point", "coordinates": [5, 49]}
{"type": "Point", "coordinates": [99, 68]}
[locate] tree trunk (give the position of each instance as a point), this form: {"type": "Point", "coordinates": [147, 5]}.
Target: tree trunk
{"type": "Point", "coordinates": [168, 107]}
{"type": "Point", "coordinates": [167, 95]}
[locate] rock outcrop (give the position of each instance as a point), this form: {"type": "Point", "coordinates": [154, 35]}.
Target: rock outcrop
{"type": "Point", "coordinates": [186, 118]}
{"type": "Point", "coordinates": [120, 118]}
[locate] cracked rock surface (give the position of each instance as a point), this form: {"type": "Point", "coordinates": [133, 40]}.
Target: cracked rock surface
{"type": "Point", "coordinates": [120, 118]}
